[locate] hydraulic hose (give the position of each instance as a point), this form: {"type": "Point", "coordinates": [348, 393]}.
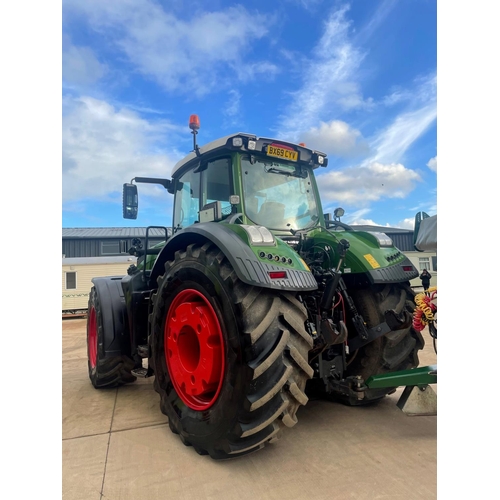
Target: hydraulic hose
{"type": "Point", "coordinates": [426, 307]}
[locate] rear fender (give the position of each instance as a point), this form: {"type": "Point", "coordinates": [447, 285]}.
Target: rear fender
{"type": "Point", "coordinates": [116, 339]}
{"type": "Point", "coordinates": [230, 239]}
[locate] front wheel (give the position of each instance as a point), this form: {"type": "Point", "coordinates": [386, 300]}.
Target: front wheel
{"type": "Point", "coordinates": [396, 350]}
{"type": "Point", "coordinates": [230, 359]}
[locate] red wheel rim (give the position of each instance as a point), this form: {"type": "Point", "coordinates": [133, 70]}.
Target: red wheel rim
{"type": "Point", "coordinates": [92, 337]}
{"type": "Point", "coordinates": [194, 349]}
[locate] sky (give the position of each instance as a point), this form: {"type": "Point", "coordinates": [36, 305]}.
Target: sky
{"type": "Point", "coordinates": [356, 80]}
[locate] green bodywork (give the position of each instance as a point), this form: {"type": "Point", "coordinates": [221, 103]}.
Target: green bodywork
{"type": "Point", "coordinates": [365, 253]}
{"type": "Point", "coordinates": [281, 249]}
{"type": "Point", "coordinates": [416, 376]}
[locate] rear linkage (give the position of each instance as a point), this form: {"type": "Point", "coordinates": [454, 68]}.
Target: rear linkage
{"type": "Point", "coordinates": [327, 326]}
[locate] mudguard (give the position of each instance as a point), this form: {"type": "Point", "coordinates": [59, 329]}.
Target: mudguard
{"type": "Point", "coordinates": [114, 316]}
{"type": "Point", "coordinates": [248, 267]}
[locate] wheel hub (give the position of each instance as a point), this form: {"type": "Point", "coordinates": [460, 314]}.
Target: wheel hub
{"type": "Point", "coordinates": [194, 349]}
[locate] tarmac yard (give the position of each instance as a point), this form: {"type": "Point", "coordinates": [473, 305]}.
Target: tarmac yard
{"type": "Point", "coordinates": [117, 445]}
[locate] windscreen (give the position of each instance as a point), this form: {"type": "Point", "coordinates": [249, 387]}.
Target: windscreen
{"type": "Point", "coordinates": [278, 195]}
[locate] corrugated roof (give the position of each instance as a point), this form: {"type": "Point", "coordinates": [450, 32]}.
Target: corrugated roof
{"type": "Point", "coordinates": [112, 232]}
{"type": "Point", "coordinates": [140, 232]}
{"type": "Point", "coordinates": [111, 259]}
{"type": "Point", "coordinates": [380, 229]}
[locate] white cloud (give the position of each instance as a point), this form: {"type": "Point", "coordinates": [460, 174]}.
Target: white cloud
{"type": "Point", "coordinates": [232, 106]}
{"type": "Point", "coordinates": [408, 223]}
{"type": "Point", "coordinates": [180, 55]}
{"type": "Point", "coordinates": [263, 70]}
{"type": "Point", "coordinates": [358, 186]}
{"type": "Point", "coordinates": [81, 66]}
{"type": "Point", "coordinates": [383, 9]}
{"type": "Point", "coordinates": [104, 147]}
{"type": "Point", "coordinates": [331, 80]}
{"type": "Point", "coordinates": [397, 96]}
{"type": "Point", "coordinates": [381, 175]}
{"type": "Point", "coordinates": [394, 141]}
{"type": "Point", "coordinates": [404, 224]}
{"type": "Point", "coordinates": [336, 138]}
{"type": "Point", "coordinates": [306, 4]}
{"type": "Point", "coordinates": [432, 164]}
{"type": "Point", "coordinates": [422, 92]}
{"type": "Point", "coordinates": [232, 110]}
{"type": "Point", "coordinates": [363, 222]}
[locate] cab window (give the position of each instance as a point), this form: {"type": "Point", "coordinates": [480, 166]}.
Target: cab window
{"type": "Point", "coordinates": [187, 199]}
{"type": "Point", "coordinates": [214, 179]}
{"type": "Point", "coordinates": [216, 182]}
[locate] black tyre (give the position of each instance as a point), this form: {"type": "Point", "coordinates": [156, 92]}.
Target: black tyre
{"type": "Point", "coordinates": [230, 360]}
{"type": "Point", "coordinates": [396, 350]}
{"type": "Point", "coordinates": [103, 372]}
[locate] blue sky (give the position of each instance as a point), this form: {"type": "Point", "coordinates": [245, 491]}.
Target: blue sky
{"type": "Point", "coordinates": [356, 80]}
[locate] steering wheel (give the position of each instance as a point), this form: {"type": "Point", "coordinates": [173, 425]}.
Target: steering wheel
{"type": "Point", "coordinates": [234, 217]}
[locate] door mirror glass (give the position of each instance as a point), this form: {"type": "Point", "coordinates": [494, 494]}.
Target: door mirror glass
{"type": "Point", "coordinates": [130, 201]}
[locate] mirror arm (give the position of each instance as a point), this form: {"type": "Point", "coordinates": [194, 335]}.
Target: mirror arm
{"type": "Point", "coordinates": [166, 183]}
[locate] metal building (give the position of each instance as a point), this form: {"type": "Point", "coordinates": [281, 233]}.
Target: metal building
{"type": "Point", "coordinates": [106, 241]}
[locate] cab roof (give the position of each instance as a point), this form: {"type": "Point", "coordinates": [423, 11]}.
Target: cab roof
{"type": "Point", "coordinates": [226, 143]}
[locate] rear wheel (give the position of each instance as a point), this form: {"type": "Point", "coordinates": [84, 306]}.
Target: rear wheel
{"type": "Point", "coordinates": [396, 350]}
{"type": "Point", "coordinates": [230, 359]}
{"type": "Point", "coordinates": [103, 372]}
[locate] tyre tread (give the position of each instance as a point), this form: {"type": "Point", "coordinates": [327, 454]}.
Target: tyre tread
{"type": "Point", "coordinates": [275, 355]}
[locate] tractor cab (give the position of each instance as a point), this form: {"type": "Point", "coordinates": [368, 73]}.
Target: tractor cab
{"type": "Point", "coordinates": [256, 180]}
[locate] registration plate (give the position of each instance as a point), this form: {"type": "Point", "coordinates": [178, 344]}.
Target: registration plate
{"type": "Point", "coordinates": [279, 151]}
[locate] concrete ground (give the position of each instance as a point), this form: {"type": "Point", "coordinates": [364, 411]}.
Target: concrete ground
{"type": "Point", "coordinates": [117, 445]}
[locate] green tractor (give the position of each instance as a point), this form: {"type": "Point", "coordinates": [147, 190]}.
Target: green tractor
{"type": "Point", "coordinates": [254, 301]}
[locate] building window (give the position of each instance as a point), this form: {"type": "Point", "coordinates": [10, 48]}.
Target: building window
{"type": "Point", "coordinates": [110, 248]}
{"type": "Point", "coordinates": [435, 263]}
{"type": "Point", "coordinates": [424, 263]}
{"type": "Point", "coordinates": [114, 247]}
{"type": "Point", "coordinates": [70, 281]}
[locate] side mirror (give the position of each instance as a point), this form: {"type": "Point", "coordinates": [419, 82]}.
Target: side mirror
{"type": "Point", "coordinates": [130, 201]}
